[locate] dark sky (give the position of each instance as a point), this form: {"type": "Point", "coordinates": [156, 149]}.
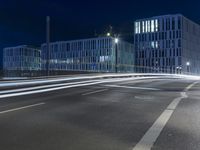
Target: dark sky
{"type": "Point", "coordinates": [23, 21]}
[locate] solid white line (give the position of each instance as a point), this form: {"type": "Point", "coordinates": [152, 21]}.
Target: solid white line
{"type": "Point", "coordinates": [150, 137]}
{"type": "Point", "coordinates": [190, 86]}
{"type": "Point", "coordinates": [20, 108]}
{"type": "Point", "coordinates": [131, 87]}
{"type": "Point", "coordinates": [152, 134]}
{"type": "Point", "coordinates": [98, 91]}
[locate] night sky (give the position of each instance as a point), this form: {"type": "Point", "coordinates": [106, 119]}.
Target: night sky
{"type": "Point", "coordinates": [23, 21]}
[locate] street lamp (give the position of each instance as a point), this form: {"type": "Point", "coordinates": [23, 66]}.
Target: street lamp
{"type": "Point", "coordinates": [116, 40]}
{"type": "Point", "coordinates": [116, 54]}
{"type": "Point", "coordinates": [108, 34]}
{"type": "Point", "coordinates": [188, 65]}
{"type": "Point", "coordinates": [178, 70]}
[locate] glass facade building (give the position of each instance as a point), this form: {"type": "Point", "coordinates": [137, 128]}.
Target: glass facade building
{"type": "Point", "coordinates": [167, 44]}
{"type": "Point", "coordinates": [21, 58]}
{"type": "Point", "coordinates": [102, 54]}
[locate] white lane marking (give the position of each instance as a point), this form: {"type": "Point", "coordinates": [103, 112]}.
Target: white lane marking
{"type": "Point", "coordinates": [20, 108]}
{"type": "Point", "coordinates": [131, 87]}
{"type": "Point", "coordinates": [145, 97]}
{"type": "Point", "coordinates": [190, 86]}
{"type": "Point", "coordinates": [63, 87]}
{"type": "Point", "coordinates": [44, 86]}
{"type": "Point", "coordinates": [150, 137]}
{"type": "Point", "coordinates": [93, 92]}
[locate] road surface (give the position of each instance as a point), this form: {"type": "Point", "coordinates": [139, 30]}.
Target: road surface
{"type": "Point", "coordinates": [110, 114]}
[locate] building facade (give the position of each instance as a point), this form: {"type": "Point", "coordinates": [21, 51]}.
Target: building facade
{"type": "Point", "coordinates": [167, 44]}
{"type": "Point", "coordinates": [21, 59]}
{"type": "Point", "coordinates": [102, 54]}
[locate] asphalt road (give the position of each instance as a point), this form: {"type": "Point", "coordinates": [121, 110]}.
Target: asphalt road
{"type": "Point", "coordinates": [124, 115]}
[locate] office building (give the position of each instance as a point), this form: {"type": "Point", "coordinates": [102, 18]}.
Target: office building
{"type": "Point", "coordinates": [167, 44]}
{"type": "Point", "coordinates": [21, 59]}
{"type": "Point", "coordinates": [101, 54]}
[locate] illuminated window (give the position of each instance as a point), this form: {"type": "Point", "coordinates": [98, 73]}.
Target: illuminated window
{"type": "Point", "coordinates": [143, 27]}
{"type": "Point", "coordinates": [102, 59]}
{"type": "Point", "coordinates": [136, 27]}
{"type": "Point", "coordinates": [148, 26]}
{"type": "Point", "coordinates": [152, 26]}
{"type": "Point", "coordinates": [156, 44]}
{"type": "Point", "coordinates": [106, 58]}
{"type": "Point", "coordinates": [152, 45]}
{"type": "Point", "coordinates": [156, 25]}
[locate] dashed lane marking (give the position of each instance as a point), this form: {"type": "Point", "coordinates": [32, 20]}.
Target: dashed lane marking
{"type": "Point", "coordinates": [20, 108]}
{"type": "Point", "coordinates": [94, 92]}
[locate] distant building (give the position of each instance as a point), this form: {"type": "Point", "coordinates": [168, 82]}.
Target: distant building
{"type": "Point", "coordinates": [21, 59]}
{"type": "Point", "coordinates": [168, 44]}
{"type": "Point", "coordinates": [95, 55]}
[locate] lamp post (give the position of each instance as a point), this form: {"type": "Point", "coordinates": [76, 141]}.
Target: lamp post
{"type": "Point", "coordinates": [188, 65]}
{"type": "Point", "coordinates": [178, 70]}
{"type": "Point", "coordinates": [157, 66]}
{"type": "Point", "coordinates": [116, 54]}
{"type": "Point", "coordinates": [48, 45]}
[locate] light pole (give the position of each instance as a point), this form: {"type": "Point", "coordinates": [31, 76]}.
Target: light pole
{"type": "Point", "coordinates": [157, 66]}
{"type": "Point", "coordinates": [178, 71]}
{"type": "Point", "coordinates": [188, 65]}
{"type": "Point", "coordinates": [48, 44]}
{"type": "Point", "coordinates": [116, 54]}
